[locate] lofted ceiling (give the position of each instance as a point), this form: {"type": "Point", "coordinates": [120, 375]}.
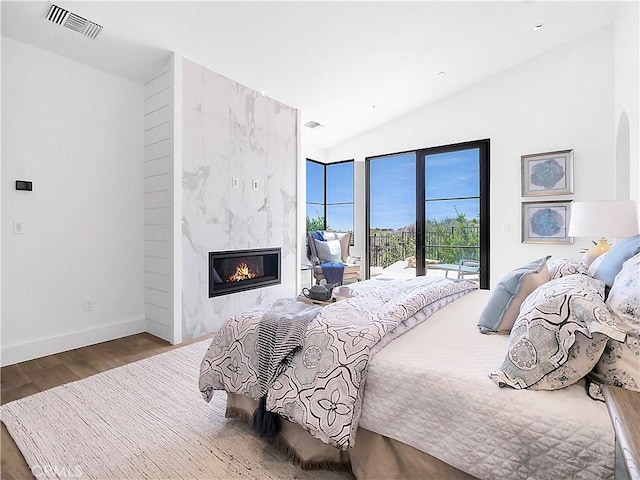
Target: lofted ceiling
{"type": "Point", "coordinates": [350, 66]}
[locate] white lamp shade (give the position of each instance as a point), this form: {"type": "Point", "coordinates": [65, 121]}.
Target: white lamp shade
{"type": "Point", "coordinates": [607, 218]}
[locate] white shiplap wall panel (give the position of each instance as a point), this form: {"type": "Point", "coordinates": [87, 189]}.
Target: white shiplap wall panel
{"type": "Point", "coordinates": [157, 249]}
{"type": "Point", "coordinates": [153, 119]}
{"type": "Point", "coordinates": [158, 281]}
{"type": "Point", "coordinates": [158, 199]}
{"type": "Point", "coordinates": [158, 149]}
{"type": "Point", "coordinates": [157, 297]}
{"type": "Point", "coordinates": [159, 233]}
{"type": "Point", "coordinates": [158, 216]}
{"type": "Point", "coordinates": [157, 264]}
{"type": "Point", "coordinates": [158, 183]}
{"type": "Point", "coordinates": [157, 166]}
{"type": "Point", "coordinates": [158, 100]}
{"type": "Point", "coordinates": [157, 133]}
{"type": "Point", "coordinates": [158, 204]}
{"type": "Point", "coordinates": [158, 83]}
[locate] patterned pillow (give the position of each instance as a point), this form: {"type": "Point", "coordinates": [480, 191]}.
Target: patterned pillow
{"type": "Point", "coordinates": [329, 251]}
{"type": "Point", "coordinates": [559, 335]}
{"type": "Point", "coordinates": [620, 362]}
{"type": "Point", "coordinates": [501, 310]}
{"type": "Point", "coordinates": [561, 267]}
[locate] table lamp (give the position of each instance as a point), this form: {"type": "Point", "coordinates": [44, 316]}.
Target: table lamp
{"type": "Point", "coordinates": [606, 218]}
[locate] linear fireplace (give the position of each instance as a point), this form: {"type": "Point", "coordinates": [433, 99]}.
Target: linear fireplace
{"type": "Point", "coordinates": [237, 270]}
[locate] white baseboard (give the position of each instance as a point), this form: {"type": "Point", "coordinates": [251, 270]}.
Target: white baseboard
{"type": "Point", "coordinates": [20, 352]}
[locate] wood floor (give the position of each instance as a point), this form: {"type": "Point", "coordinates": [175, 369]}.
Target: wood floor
{"type": "Point", "coordinates": [26, 378]}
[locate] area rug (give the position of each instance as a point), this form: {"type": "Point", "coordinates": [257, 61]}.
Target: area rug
{"type": "Point", "coordinates": [143, 420]}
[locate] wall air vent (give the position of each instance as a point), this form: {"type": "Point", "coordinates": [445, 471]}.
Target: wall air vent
{"type": "Point", "coordinates": [74, 22]}
{"type": "Point", "coordinates": [313, 124]}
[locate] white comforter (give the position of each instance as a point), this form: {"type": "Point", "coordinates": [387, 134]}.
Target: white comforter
{"type": "Point", "coordinates": [430, 389]}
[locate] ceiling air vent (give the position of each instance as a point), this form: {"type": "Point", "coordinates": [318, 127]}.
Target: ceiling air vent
{"type": "Point", "coordinates": [313, 124]}
{"type": "Point", "coordinates": [74, 22]}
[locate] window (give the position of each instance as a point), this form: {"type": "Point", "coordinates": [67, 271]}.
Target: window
{"type": "Point", "coordinates": [315, 196]}
{"type": "Point", "coordinates": [330, 196]}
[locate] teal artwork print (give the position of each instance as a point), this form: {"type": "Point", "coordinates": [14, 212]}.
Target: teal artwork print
{"type": "Point", "coordinates": [547, 174]}
{"type": "Point", "coordinates": [546, 222]}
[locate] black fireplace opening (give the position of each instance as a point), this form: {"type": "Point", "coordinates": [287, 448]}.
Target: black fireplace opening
{"type": "Point", "coordinates": [237, 270]}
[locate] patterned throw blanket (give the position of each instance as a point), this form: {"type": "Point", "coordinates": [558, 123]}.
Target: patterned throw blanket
{"type": "Point", "coordinates": [280, 333]}
{"type": "Point", "coordinates": [321, 388]}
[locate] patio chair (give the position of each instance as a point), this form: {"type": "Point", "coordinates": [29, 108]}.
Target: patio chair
{"type": "Point", "coordinates": [469, 267]}
{"type": "Point", "coordinates": [463, 268]}
{"type": "Point", "coordinates": [351, 268]}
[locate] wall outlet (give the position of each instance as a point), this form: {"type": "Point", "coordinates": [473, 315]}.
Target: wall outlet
{"type": "Point", "coordinates": [18, 227]}
{"type": "Point", "coordinates": [88, 305]}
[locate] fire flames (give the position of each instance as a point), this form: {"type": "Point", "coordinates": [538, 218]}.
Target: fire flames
{"type": "Point", "coordinates": [242, 273]}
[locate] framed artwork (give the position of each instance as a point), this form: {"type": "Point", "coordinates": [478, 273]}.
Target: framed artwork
{"type": "Point", "coordinates": [547, 173]}
{"type": "Point", "coordinates": [546, 222]}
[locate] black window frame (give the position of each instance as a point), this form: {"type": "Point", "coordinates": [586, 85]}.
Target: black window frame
{"type": "Point", "coordinates": [324, 194]}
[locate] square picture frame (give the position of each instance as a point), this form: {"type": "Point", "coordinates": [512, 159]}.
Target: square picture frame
{"type": "Point", "coordinates": [549, 173]}
{"type": "Point", "coordinates": [546, 222]}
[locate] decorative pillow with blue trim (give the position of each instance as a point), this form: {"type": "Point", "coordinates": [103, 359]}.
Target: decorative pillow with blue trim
{"type": "Point", "coordinates": [611, 265]}
{"type": "Point", "coordinates": [501, 310]}
{"type": "Point", "coordinates": [559, 335]}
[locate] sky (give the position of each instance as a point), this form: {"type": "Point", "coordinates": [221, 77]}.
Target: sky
{"type": "Point", "coordinates": [447, 175]}
{"type": "Point", "coordinates": [393, 189]}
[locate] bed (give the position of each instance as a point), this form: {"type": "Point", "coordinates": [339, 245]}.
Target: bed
{"type": "Point", "coordinates": [430, 410]}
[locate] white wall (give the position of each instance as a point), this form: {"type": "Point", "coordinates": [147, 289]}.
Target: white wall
{"type": "Point", "coordinates": [627, 100]}
{"type": "Point", "coordinates": [77, 133]}
{"type": "Point", "coordinates": [560, 100]}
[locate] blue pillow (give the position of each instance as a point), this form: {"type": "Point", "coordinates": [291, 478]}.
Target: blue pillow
{"type": "Point", "coordinates": [612, 263]}
{"type": "Point", "coordinates": [503, 306]}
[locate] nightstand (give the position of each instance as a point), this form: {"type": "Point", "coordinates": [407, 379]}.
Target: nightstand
{"type": "Point", "coordinates": [624, 410]}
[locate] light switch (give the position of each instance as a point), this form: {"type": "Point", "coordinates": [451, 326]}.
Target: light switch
{"type": "Point", "coordinates": [234, 182]}
{"type": "Point", "coordinates": [255, 184]}
{"type": "Point", "coordinates": [18, 228]}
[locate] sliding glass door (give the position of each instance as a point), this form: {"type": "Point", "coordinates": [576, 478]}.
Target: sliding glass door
{"type": "Point", "coordinates": [391, 212]}
{"type": "Point", "coordinates": [449, 221]}
{"type": "Point", "coordinates": [453, 206]}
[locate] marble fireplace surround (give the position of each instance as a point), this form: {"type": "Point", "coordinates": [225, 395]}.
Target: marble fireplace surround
{"type": "Point", "coordinates": [239, 191]}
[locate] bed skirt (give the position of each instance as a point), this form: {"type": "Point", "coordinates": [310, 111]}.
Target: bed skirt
{"type": "Point", "coordinates": [373, 457]}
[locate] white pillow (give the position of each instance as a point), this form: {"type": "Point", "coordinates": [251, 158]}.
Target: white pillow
{"type": "Point", "coordinates": [329, 251]}
{"type": "Point", "coordinates": [344, 238]}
